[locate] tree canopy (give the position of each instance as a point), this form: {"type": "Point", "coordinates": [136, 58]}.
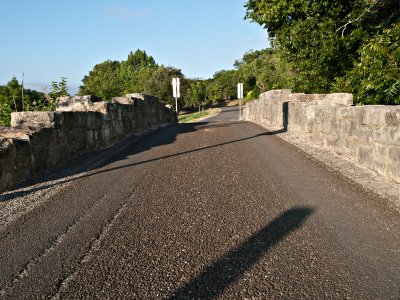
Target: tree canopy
{"type": "Point", "coordinates": [336, 45]}
{"type": "Point", "coordinates": [12, 99]}
{"type": "Point", "coordinates": [138, 73]}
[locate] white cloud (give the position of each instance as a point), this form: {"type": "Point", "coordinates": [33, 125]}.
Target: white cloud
{"type": "Point", "coordinates": [124, 13]}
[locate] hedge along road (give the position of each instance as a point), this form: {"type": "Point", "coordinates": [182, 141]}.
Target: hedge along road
{"type": "Point", "coordinates": [214, 209]}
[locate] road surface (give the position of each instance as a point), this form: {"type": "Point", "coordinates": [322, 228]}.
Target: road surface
{"type": "Point", "coordinates": [218, 209]}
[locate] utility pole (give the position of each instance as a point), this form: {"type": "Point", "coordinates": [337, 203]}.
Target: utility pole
{"type": "Point", "coordinates": [23, 109]}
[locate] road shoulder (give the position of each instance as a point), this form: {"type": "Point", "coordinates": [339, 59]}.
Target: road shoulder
{"type": "Point", "coordinates": [368, 179]}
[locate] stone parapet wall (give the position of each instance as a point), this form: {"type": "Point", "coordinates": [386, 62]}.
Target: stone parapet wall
{"type": "Point", "coordinates": [369, 135]}
{"type": "Point", "coordinates": [38, 140]}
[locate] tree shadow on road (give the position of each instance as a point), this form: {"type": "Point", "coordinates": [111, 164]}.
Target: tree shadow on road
{"type": "Point", "coordinates": [215, 279]}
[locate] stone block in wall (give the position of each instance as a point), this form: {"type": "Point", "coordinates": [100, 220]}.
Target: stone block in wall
{"type": "Point", "coordinates": [22, 158]}
{"type": "Point", "coordinates": [15, 155]}
{"type": "Point", "coordinates": [275, 95]}
{"type": "Point", "coordinates": [379, 158]}
{"type": "Point", "coordinates": [7, 169]}
{"type": "Point", "coordinates": [394, 154]}
{"type": "Point", "coordinates": [392, 166]}
{"type": "Point", "coordinates": [123, 100]}
{"type": "Point", "coordinates": [350, 112]}
{"type": "Point", "coordinates": [33, 119]}
{"type": "Point", "coordinates": [67, 119]}
{"type": "Point", "coordinates": [40, 143]}
{"type": "Point", "coordinates": [57, 152]}
{"type": "Point", "coordinates": [331, 141]}
{"type": "Point", "coordinates": [365, 155]}
{"type": "Point", "coordinates": [136, 96]}
{"type": "Point", "coordinates": [301, 111]}
{"type": "Point", "coordinates": [90, 139]}
{"type": "Point", "coordinates": [81, 103]}
{"type": "Point", "coordinates": [93, 120]}
{"type": "Point", "coordinates": [336, 99]}
{"type": "Point", "coordinates": [106, 137]}
{"type": "Point", "coordinates": [308, 120]}
{"type": "Point", "coordinates": [346, 127]}
{"type": "Point", "coordinates": [22, 153]}
{"type": "Point", "coordinates": [5, 145]}
{"type": "Point", "coordinates": [380, 115]}
{"type": "Point", "coordinates": [81, 119]}
{"type": "Point", "coordinates": [18, 133]}
{"type": "Point", "coordinates": [145, 98]}
{"type": "Point", "coordinates": [97, 138]}
{"type": "Point", "coordinates": [347, 146]}
{"type": "Point", "coordinates": [380, 150]}
{"type": "Point", "coordinates": [365, 134]}
{"type": "Point", "coordinates": [393, 116]}
{"type": "Point", "coordinates": [388, 135]}
{"type": "Point", "coordinates": [322, 120]}
{"type": "Point", "coordinates": [135, 99]}
{"type": "Point", "coordinates": [393, 172]}
{"type": "Point", "coordinates": [373, 115]}
{"type": "Point", "coordinates": [269, 108]}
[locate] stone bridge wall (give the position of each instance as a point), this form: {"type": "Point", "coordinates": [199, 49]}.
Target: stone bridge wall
{"type": "Point", "coordinates": [38, 140]}
{"type": "Point", "coordinates": [369, 135]}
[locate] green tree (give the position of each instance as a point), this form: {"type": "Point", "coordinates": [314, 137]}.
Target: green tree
{"type": "Point", "coordinates": [223, 86]}
{"type": "Point", "coordinates": [136, 71]}
{"type": "Point", "coordinates": [113, 78]}
{"type": "Point", "coordinates": [159, 84]}
{"type": "Point", "coordinates": [11, 100]}
{"type": "Point", "coordinates": [375, 77]}
{"type": "Point", "coordinates": [325, 39]}
{"type": "Point", "coordinates": [264, 70]}
{"type": "Point", "coordinates": [59, 89]}
{"type": "Point", "coordinates": [103, 81]}
{"type": "Point", "coordinates": [196, 94]}
{"type": "Point", "coordinates": [5, 111]}
{"type": "Point", "coordinates": [15, 92]}
{"type": "Point", "coordinates": [140, 60]}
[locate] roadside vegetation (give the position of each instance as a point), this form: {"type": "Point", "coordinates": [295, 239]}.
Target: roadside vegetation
{"type": "Point", "coordinates": [192, 116]}
{"type": "Point", "coordinates": [336, 46]}
{"type": "Point", "coordinates": [14, 98]}
{"type": "Point", "coordinates": [188, 117]}
{"type": "Point", "coordinates": [317, 47]}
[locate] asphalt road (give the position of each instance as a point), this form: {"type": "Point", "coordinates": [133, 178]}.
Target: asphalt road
{"type": "Point", "coordinates": [215, 209]}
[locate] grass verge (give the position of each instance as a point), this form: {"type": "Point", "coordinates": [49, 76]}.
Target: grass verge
{"type": "Point", "coordinates": [198, 115]}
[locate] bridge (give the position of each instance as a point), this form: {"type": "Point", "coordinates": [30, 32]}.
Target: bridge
{"type": "Point", "coordinates": [216, 209]}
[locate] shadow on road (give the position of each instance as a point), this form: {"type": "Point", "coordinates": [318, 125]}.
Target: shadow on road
{"type": "Point", "coordinates": [97, 159]}
{"type": "Point", "coordinates": [216, 278]}
{"type": "Point", "coordinates": [120, 151]}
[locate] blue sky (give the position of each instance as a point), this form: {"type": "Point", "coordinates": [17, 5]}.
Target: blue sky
{"type": "Point", "coordinates": [48, 39]}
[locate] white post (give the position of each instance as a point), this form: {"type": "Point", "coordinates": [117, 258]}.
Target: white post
{"type": "Point", "coordinates": [176, 92]}
{"type": "Point", "coordinates": [240, 109]}
{"type": "Point", "coordinates": [240, 97]}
